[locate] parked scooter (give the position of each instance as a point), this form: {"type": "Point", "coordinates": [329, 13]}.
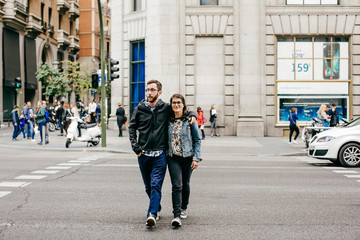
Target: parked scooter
{"type": "Point", "coordinates": [53, 125]}
{"type": "Point", "coordinates": [90, 133]}
{"type": "Point", "coordinates": [316, 127]}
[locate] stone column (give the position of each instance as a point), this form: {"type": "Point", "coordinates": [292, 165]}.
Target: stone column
{"type": "Point", "coordinates": [163, 45]}
{"type": "Point", "coordinates": [250, 122]}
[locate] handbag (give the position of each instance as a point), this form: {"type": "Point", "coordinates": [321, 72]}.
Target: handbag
{"type": "Point", "coordinates": [294, 122]}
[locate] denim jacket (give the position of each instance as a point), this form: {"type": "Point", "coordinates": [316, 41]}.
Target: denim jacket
{"type": "Point", "coordinates": [191, 143]}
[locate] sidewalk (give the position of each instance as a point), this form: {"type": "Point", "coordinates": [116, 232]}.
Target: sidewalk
{"type": "Point", "coordinates": [226, 145]}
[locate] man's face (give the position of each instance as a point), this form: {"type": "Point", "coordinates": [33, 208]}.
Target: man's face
{"type": "Point", "coordinates": [29, 104]}
{"type": "Point", "coordinates": [152, 93]}
{"type": "Point", "coordinates": [333, 108]}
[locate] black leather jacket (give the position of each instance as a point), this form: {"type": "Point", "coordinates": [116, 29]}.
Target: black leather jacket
{"type": "Point", "coordinates": [152, 127]}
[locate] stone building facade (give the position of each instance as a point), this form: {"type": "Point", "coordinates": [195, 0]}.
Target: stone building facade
{"type": "Point", "coordinates": [33, 32]}
{"type": "Point", "coordinates": [254, 59]}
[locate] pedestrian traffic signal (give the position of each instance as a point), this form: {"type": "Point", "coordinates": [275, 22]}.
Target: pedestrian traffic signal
{"type": "Point", "coordinates": [18, 82]}
{"type": "Point", "coordinates": [94, 80]}
{"type": "Point", "coordinates": [113, 69]}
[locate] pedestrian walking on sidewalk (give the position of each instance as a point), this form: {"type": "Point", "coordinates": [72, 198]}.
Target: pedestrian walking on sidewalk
{"type": "Point", "coordinates": [15, 122]}
{"type": "Point", "coordinates": [201, 121]}
{"type": "Point", "coordinates": [59, 116]}
{"type": "Point", "coordinates": [213, 119]}
{"type": "Point", "coordinates": [150, 119]}
{"type": "Point", "coordinates": [41, 121]}
{"type": "Point", "coordinates": [22, 125]}
{"type": "Point", "coordinates": [293, 126]}
{"type": "Point", "coordinates": [120, 117]}
{"type": "Point", "coordinates": [47, 117]}
{"type": "Point", "coordinates": [184, 156]}
{"type": "Point", "coordinates": [30, 122]}
{"type": "Point", "coordinates": [92, 111]}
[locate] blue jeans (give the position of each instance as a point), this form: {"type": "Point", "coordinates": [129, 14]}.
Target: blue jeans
{"type": "Point", "coordinates": [30, 129]}
{"type": "Point", "coordinates": [41, 125]}
{"type": "Point", "coordinates": [180, 173]}
{"type": "Point", "coordinates": [61, 127]}
{"type": "Point", "coordinates": [153, 171]}
{"type": "Point", "coordinates": [17, 131]}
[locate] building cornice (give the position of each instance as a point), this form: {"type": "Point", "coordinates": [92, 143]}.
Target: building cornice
{"type": "Point", "coordinates": [213, 10]}
{"type": "Point", "coordinates": [301, 10]}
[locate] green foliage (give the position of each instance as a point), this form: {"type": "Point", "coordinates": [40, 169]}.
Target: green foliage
{"type": "Point", "coordinates": [79, 80]}
{"type": "Point", "coordinates": [54, 83]}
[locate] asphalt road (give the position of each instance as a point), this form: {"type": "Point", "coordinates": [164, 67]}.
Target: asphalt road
{"type": "Point", "coordinates": [95, 195]}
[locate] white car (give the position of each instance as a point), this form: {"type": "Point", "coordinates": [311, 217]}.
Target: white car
{"type": "Point", "coordinates": [339, 144]}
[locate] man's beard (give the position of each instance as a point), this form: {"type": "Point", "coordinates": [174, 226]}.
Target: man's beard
{"type": "Point", "coordinates": [153, 99]}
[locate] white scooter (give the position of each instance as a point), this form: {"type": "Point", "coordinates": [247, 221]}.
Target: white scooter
{"type": "Point", "coordinates": [90, 133]}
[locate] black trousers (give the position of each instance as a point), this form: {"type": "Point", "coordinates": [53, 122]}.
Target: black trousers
{"type": "Point", "coordinates": [293, 128]}
{"type": "Point", "coordinates": [180, 173]}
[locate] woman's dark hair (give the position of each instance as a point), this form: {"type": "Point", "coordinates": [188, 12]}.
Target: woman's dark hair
{"type": "Point", "coordinates": [293, 110]}
{"type": "Point", "coordinates": [185, 108]}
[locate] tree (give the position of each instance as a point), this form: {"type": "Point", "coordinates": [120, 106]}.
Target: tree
{"type": "Point", "coordinates": [78, 79]}
{"type": "Point", "coordinates": [54, 83]}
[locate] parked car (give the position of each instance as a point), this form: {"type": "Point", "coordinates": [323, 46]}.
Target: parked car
{"type": "Point", "coordinates": [339, 144]}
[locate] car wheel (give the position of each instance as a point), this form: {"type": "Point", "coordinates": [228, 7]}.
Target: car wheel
{"type": "Point", "coordinates": [350, 155]}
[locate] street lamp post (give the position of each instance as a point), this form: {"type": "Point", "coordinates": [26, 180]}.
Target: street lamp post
{"type": "Point", "coordinates": [103, 92]}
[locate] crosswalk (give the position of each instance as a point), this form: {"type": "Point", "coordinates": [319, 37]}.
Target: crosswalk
{"type": "Point", "coordinates": [7, 187]}
{"type": "Point", "coordinates": [347, 172]}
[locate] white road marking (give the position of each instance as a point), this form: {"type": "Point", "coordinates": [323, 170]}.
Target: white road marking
{"type": "Point", "coordinates": [352, 176]}
{"type": "Point", "coordinates": [44, 172]}
{"type": "Point", "coordinates": [14, 184]}
{"type": "Point", "coordinates": [31, 177]}
{"type": "Point", "coordinates": [58, 168]}
{"type": "Point", "coordinates": [4, 193]}
{"type": "Point", "coordinates": [344, 171]}
{"type": "Point", "coordinates": [69, 164]}
{"type": "Point", "coordinates": [334, 168]}
{"type": "Point", "coordinates": [79, 161]}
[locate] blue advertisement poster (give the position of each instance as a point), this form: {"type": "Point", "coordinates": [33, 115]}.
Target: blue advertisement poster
{"type": "Point", "coordinates": [307, 107]}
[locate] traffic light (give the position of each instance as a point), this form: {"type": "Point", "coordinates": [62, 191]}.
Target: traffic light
{"type": "Point", "coordinates": [17, 82]}
{"type": "Point", "coordinates": [113, 69]}
{"type": "Point", "coordinates": [94, 80]}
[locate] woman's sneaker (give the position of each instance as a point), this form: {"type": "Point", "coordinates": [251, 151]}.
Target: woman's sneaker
{"type": "Point", "coordinates": [176, 222]}
{"type": "Point", "coordinates": [183, 214]}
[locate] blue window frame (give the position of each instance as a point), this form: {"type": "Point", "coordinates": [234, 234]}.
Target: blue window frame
{"type": "Point", "coordinates": [137, 80]}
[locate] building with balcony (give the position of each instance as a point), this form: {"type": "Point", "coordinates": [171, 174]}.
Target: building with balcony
{"type": "Point", "coordinates": [254, 59]}
{"type": "Point", "coordinates": [89, 35]}
{"type": "Point", "coordinates": [33, 32]}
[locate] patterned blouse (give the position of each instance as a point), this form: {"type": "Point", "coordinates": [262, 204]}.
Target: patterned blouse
{"type": "Point", "coordinates": [176, 141]}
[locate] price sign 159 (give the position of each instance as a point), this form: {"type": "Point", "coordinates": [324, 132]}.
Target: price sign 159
{"type": "Point", "coordinates": [301, 67]}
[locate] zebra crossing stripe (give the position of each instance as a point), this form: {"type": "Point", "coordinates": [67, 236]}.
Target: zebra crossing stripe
{"type": "Point", "coordinates": [4, 193]}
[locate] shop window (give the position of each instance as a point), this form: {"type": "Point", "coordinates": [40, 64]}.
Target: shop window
{"type": "Point", "coordinates": [137, 91]}
{"type": "Point", "coordinates": [209, 2]}
{"type": "Point", "coordinates": [312, 71]}
{"type": "Point", "coordinates": [312, 2]}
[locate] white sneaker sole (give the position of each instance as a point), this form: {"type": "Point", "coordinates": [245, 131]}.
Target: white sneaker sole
{"type": "Point", "coordinates": [150, 222]}
{"type": "Point", "coordinates": [175, 224]}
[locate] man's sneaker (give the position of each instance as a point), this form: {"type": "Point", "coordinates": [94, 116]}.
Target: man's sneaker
{"type": "Point", "coordinates": [158, 216]}
{"type": "Point", "coordinates": [176, 222]}
{"type": "Point", "coordinates": [294, 142]}
{"type": "Point", "coordinates": [150, 221]}
{"type": "Point", "coordinates": [183, 214]}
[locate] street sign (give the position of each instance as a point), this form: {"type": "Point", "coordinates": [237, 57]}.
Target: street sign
{"type": "Point", "coordinates": [99, 74]}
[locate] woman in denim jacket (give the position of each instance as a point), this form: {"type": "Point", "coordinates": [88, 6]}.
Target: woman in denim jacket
{"type": "Point", "coordinates": [184, 156]}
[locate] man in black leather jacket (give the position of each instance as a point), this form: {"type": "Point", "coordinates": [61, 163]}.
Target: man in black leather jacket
{"type": "Point", "coordinates": [150, 119]}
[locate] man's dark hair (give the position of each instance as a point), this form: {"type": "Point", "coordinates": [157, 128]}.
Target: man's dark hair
{"type": "Point", "coordinates": [62, 103]}
{"type": "Point", "coordinates": [333, 104]}
{"type": "Point", "coordinates": [16, 106]}
{"type": "Point", "coordinates": [185, 108]}
{"type": "Point", "coordinates": [158, 84]}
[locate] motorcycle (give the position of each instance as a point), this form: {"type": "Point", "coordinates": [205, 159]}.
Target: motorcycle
{"type": "Point", "coordinates": [53, 125]}
{"type": "Point", "coordinates": [317, 126]}
{"type": "Point", "coordinates": [90, 133]}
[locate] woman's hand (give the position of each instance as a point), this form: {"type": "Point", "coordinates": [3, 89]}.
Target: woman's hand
{"type": "Point", "coordinates": [192, 120]}
{"type": "Point", "coordinates": [194, 165]}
